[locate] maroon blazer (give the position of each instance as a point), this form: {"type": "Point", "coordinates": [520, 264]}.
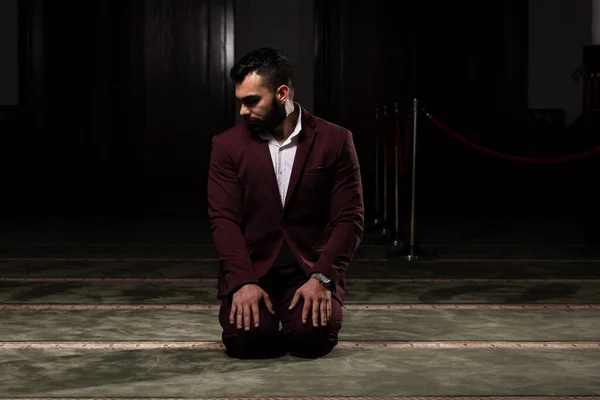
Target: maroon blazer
{"type": "Point", "coordinates": [323, 216]}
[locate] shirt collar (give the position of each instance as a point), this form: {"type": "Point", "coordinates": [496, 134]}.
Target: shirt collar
{"type": "Point", "coordinates": [295, 132]}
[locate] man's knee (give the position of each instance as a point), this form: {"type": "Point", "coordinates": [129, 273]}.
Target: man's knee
{"type": "Point", "coordinates": [259, 342]}
{"type": "Point", "coordinates": [308, 341]}
{"type": "Point", "coordinates": [262, 342]}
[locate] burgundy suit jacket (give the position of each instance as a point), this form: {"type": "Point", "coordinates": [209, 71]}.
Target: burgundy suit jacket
{"type": "Point", "coordinates": [322, 219]}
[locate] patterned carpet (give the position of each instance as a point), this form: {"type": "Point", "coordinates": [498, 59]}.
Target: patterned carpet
{"type": "Point", "coordinates": [119, 309]}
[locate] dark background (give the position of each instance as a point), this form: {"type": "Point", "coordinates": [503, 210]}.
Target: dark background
{"type": "Point", "coordinates": [119, 100]}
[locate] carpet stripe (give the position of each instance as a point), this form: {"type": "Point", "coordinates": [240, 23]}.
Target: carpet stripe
{"type": "Point", "coordinates": [358, 345]}
{"type": "Point", "coordinates": [327, 398]}
{"type": "Point", "coordinates": [352, 307]}
{"type": "Point", "coordinates": [352, 280]}
{"type": "Point", "coordinates": [472, 280]}
{"type": "Point", "coordinates": [479, 306]}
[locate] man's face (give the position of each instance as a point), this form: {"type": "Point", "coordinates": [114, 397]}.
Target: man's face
{"type": "Point", "coordinates": [259, 105]}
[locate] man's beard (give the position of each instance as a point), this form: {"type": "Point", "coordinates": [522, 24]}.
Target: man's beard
{"type": "Point", "coordinates": [272, 120]}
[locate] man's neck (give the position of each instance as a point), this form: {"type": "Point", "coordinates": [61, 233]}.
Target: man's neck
{"type": "Point", "coordinates": [285, 129]}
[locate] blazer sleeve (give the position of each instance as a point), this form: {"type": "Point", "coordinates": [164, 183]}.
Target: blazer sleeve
{"type": "Point", "coordinates": [225, 216]}
{"type": "Point", "coordinates": [346, 214]}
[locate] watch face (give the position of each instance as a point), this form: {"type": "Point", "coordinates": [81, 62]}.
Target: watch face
{"type": "Point", "coordinates": [324, 280]}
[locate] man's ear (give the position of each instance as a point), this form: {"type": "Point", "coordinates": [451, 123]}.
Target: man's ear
{"type": "Point", "coordinates": [283, 93]}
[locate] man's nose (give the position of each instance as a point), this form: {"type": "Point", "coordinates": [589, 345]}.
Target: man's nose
{"type": "Point", "coordinates": [244, 111]}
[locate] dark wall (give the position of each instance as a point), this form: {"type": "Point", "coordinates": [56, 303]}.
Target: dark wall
{"type": "Point", "coordinates": [8, 53]}
{"type": "Point", "coordinates": [286, 25]}
{"type": "Point", "coordinates": [120, 100]}
{"type": "Point", "coordinates": [466, 62]}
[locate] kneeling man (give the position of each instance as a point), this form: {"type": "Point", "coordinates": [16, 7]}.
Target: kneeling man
{"type": "Point", "coordinates": [286, 215]}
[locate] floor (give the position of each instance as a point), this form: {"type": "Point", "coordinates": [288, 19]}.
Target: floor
{"type": "Point", "coordinates": [126, 308]}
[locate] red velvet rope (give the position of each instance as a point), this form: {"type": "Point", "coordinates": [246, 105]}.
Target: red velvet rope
{"type": "Point", "coordinates": [486, 150]}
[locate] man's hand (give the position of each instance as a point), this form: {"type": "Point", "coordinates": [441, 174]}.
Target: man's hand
{"type": "Point", "coordinates": [244, 306]}
{"type": "Point", "coordinates": [317, 299]}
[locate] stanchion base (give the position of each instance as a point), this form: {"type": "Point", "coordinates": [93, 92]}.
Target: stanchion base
{"type": "Point", "coordinates": [387, 238]}
{"type": "Point", "coordinates": [411, 253]}
{"type": "Point", "coordinates": [397, 240]}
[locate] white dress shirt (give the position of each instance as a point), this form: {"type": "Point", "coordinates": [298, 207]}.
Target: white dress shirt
{"type": "Point", "coordinates": [283, 156]}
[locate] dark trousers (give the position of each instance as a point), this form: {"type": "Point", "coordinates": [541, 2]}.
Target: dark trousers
{"type": "Point", "coordinates": [266, 341]}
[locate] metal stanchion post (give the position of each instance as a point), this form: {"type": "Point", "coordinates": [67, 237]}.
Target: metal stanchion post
{"type": "Point", "coordinates": [396, 235]}
{"type": "Point", "coordinates": [414, 175]}
{"type": "Point", "coordinates": [412, 252]}
{"type": "Point", "coordinates": [384, 221]}
{"type": "Point", "coordinates": [383, 238]}
{"type": "Point", "coordinates": [377, 216]}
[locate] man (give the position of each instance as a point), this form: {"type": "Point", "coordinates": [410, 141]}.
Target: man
{"type": "Point", "coordinates": [286, 215]}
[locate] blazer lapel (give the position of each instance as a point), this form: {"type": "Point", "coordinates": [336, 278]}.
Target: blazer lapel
{"type": "Point", "coordinates": [263, 155]}
{"type": "Point", "coordinates": [306, 139]}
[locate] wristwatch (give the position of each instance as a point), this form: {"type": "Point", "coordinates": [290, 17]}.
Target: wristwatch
{"type": "Point", "coordinates": [323, 280]}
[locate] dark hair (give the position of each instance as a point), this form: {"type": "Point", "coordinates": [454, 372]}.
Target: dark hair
{"type": "Point", "coordinates": [267, 62]}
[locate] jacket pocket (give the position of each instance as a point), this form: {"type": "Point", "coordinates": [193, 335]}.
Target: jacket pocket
{"type": "Point", "coordinates": [318, 170]}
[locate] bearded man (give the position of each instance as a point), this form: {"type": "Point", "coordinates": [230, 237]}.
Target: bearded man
{"type": "Point", "coordinates": [286, 215]}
